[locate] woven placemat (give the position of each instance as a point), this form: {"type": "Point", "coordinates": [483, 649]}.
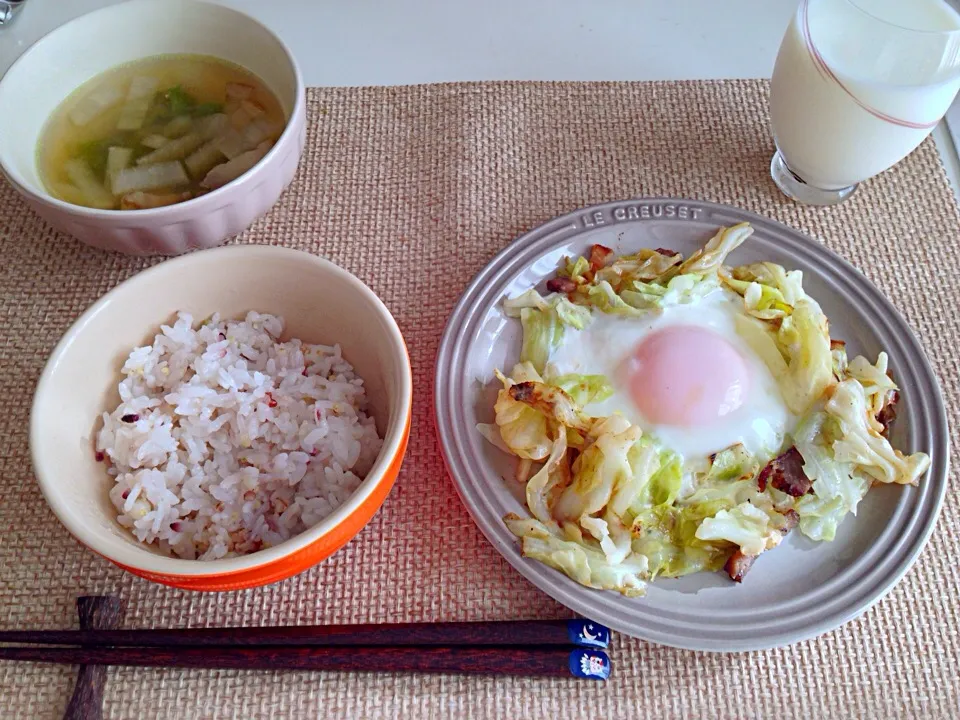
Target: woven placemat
{"type": "Point", "coordinates": [413, 190]}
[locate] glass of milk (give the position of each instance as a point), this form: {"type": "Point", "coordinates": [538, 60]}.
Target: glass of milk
{"type": "Point", "coordinates": [858, 84]}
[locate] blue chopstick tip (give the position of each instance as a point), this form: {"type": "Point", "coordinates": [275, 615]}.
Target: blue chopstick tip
{"type": "Point", "coordinates": [587, 633]}
{"type": "Point", "coordinates": [589, 664]}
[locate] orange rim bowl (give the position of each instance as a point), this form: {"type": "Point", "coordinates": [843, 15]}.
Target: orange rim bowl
{"type": "Point", "coordinates": [320, 302]}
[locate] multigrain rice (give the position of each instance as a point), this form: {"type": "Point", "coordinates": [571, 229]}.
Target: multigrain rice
{"type": "Point", "coordinates": [227, 440]}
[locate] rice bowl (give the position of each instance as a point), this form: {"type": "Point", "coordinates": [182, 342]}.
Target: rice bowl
{"type": "Point", "coordinates": [321, 304]}
{"type": "Point", "coordinates": [42, 78]}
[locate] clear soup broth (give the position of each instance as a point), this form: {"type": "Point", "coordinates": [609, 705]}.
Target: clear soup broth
{"type": "Point", "coordinates": [157, 132]}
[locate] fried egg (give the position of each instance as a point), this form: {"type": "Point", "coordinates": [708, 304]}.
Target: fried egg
{"type": "Point", "coordinates": [685, 376]}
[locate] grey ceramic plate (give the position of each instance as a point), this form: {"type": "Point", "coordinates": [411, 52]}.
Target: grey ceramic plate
{"type": "Point", "coordinates": [795, 592]}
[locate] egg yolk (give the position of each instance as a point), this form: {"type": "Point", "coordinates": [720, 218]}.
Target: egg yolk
{"type": "Point", "coordinates": [687, 376]}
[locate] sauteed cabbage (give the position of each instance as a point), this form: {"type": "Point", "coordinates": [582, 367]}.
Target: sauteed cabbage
{"type": "Point", "coordinates": [611, 506]}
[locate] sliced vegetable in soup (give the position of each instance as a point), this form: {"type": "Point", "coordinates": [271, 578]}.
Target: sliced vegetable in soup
{"type": "Point", "coordinates": [157, 132]}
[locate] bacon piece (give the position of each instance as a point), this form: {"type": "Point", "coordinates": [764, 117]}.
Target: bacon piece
{"type": "Point", "coordinates": [888, 412]}
{"type": "Point", "coordinates": [561, 285]}
{"type": "Point", "coordinates": [667, 252]}
{"type": "Point", "coordinates": [739, 563]}
{"type": "Point", "coordinates": [598, 256]}
{"type": "Point", "coordinates": [785, 473]}
{"type": "Point", "coordinates": [791, 518]}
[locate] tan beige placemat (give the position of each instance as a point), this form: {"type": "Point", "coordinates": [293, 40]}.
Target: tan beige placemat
{"type": "Point", "coordinates": [414, 189]}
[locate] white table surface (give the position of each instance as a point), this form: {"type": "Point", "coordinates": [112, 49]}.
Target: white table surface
{"type": "Point", "coordinates": [397, 42]}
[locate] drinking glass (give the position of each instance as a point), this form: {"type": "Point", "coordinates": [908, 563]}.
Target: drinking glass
{"type": "Point", "coordinates": [9, 10]}
{"type": "Point", "coordinates": [857, 85]}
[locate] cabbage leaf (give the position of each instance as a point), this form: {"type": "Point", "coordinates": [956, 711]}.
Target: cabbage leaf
{"type": "Point", "coordinates": [877, 384]}
{"type": "Point", "coordinates": [603, 297]}
{"type": "Point", "coordinates": [542, 333]}
{"type": "Point", "coordinates": [584, 389]}
{"type": "Point", "coordinates": [863, 446]}
{"type": "Point", "coordinates": [523, 429]}
{"type": "Point", "coordinates": [804, 340]}
{"type": "Point", "coordinates": [644, 266]}
{"type": "Point", "coordinates": [666, 535]}
{"type": "Point", "coordinates": [555, 474]}
{"type": "Point", "coordinates": [581, 562]}
{"type": "Point", "coordinates": [837, 489]}
{"type": "Point", "coordinates": [709, 258]}
{"type": "Point", "coordinates": [597, 472]}
{"type": "Point", "coordinates": [746, 525]}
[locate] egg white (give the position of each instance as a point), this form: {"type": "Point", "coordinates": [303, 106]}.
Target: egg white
{"type": "Point", "coordinates": [606, 344]}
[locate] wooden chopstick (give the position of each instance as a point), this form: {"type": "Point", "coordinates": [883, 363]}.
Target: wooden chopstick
{"type": "Point", "coordinates": [550, 662]}
{"type": "Point", "coordinates": [95, 613]}
{"type": "Point", "coordinates": [581, 633]}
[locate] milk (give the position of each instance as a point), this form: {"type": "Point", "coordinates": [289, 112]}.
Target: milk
{"type": "Point", "coordinates": [889, 86]}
